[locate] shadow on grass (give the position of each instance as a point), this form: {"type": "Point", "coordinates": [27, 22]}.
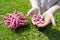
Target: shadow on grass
{"type": "Point", "coordinates": [52, 34]}
{"type": "Point", "coordinates": [22, 29]}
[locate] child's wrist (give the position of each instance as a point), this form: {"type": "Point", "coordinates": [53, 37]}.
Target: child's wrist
{"type": "Point", "coordinates": [34, 3]}
{"type": "Point", "coordinates": [35, 7]}
{"type": "Point", "coordinates": [54, 8]}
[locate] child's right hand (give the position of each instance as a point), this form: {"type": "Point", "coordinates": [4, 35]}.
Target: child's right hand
{"type": "Point", "coordinates": [33, 11]}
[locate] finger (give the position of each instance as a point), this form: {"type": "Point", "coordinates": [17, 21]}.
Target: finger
{"type": "Point", "coordinates": [34, 11]}
{"type": "Point", "coordinates": [47, 21]}
{"type": "Point", "coordinates": [33, 22]}
{"type": "Point", "coordinates": [44, 14]}
{"type": "Point", "coordinates": [53, 21]}
{"type": "Point", "coordinates": [29, 12]}
{"type": "Point", "coordinates": [38, 11]}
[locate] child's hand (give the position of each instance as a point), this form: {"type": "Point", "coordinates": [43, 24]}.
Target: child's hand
{"type": "Point", "coordinates": [32, 12]}
{"type": "Point", "coordinates": [48, 18]}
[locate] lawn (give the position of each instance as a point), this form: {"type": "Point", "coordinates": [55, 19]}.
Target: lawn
{"type": "Point", "coordinates": [29, 31]}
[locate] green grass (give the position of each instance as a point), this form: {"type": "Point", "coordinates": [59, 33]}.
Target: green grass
{"type": "Point", "coordinates": [27, 32]}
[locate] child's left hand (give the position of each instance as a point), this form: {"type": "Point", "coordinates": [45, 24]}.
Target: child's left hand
{"type": "Point", "coordinates": [48, 18]}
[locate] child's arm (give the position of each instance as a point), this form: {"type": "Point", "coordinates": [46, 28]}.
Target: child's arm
{"type": "Point", "coordinates": [35, 8]}
{"type": "Point", "coordinates": [49, 15]}
{"type": "Point", "coordinates": [53, 9]}
{"type": "Point", "coordinates": [34, 3]}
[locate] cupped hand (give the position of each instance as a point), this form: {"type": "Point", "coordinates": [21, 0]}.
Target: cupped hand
{"type": "Point", "coordinates": [48, 18]}
{"type": "Point", "coordinates": [32, 12]}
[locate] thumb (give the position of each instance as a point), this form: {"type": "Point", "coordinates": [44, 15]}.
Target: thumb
{"type": "Point", "coordinates": [29, 12]}
{"type": "Point", "coordinates": [34, 11]}
{"type": "Point", "coordinates": [53, 21]}
{"type": "Point", "coordinates": [44, 14]}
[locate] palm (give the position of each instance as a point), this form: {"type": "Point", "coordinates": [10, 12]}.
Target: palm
{"type": "Point", "coordinates": [32, 12]}
{"type": "Point", "coordinates": [48, 18]}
